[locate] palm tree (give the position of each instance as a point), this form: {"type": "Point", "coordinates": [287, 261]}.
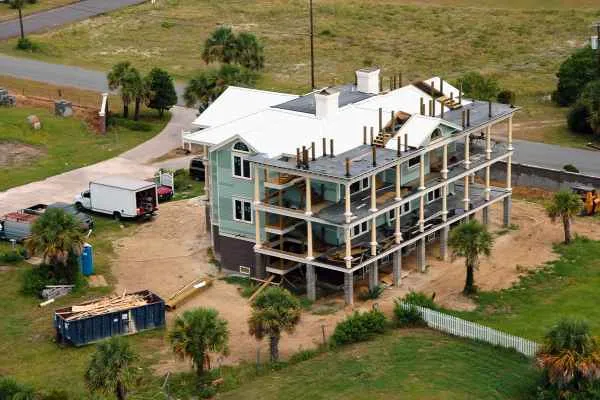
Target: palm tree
{"type": "Point", "coordinates": [469, 240]}
{"type": "Point", "coordinates": [110, 369]}
{"type": "Point", "coordinates": [220, 46]}
{"type": "Point", "coordinates": [55, 235]}
{"type": "Point", "coordinates": [249, 52]}
{"type": "Point", "coordinates": [198, 332]}
{"type": "Point", "coordinates": [274, 311]}
{"type": "Point", "coordinates": [564, 206]}
{"type": "Point", "coordinates": [18, 4]}
{"type": "Point", "coordinates": [569, 358]}
{"type": "Point", "coordinates": [118, 79]}
{"type": "Point", "coordinates": [138, 89]}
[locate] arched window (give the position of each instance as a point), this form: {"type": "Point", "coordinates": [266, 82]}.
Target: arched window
{"type": "Point", "coordinates": [241, 146]}
{"type": "Point", "coordinates": [436, 134]}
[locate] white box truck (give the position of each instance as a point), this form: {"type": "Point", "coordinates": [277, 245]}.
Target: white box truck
{"type": "Point", "coordinates": [119, 196]}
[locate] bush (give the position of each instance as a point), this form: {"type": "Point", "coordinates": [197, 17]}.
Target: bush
{"type": "Point", "coordinates": [506, 97]}
{"type": "Point", "coordinates": [137, 126]}
{"type": "Point", "coordinates": [26, 44]}
{"type": "Point", "coordinates": [405, 316]}
{"type": "Point", "coordinates": [477, 86]}
{"type": "Point", "coordinates": [571, 168]}
{"type": "Point", "coordinates": [371, 294]}
{"type": "Point", "coordinates": [578, 118]}
{"type": "Point", "coordinates": [359, 327]}
{"type": "Point", "coordinates": [11, 389]}
{"type": "Point", "coordinates": [207, 392]}
{"type": "Point", "coordinates": [13, 256]}
{"type": "Point", "coordinates": [35, 279]}
{"type": "Point", "coordinates": [420, 299]}
{"type": "Point", "coordinates": [574, 74]}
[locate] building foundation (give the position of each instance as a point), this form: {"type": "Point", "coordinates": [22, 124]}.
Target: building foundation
{"type": "Point", "coordinates": [421, 257]}
{"type": "Point", "coordinates": [397, 269]}
{"type": "Point", "coordinates": [260, 269]}
{"type": "Point", "coordinates": [373, 275]}
{"type": "Point", "coordinates": [485, 216]}
{"type": "Point", "coordinates": [507, 211]}
{"type": "Point", "coordinates": [444, 243]}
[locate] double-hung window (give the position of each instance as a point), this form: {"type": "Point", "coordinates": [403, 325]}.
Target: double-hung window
{"type": "Point", "coordinates": [434, 195]}
{"type": "Point", "coordinates": [241, 166]}
{"type": "Point", "coordinates": [242, 210]}
{"type": "Point", "coordinates": [414, 162]}
{"type": "Point", "coordinates": [359, 229]}
{"type": "Point", "coordinates": [359, 186]}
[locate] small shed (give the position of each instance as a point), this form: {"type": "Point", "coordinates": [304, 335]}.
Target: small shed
{"type": "Point", "coordinates": [98, 319]}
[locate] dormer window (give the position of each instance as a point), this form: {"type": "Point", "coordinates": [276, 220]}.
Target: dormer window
{"type": "Point", "coordinates": [241, 146]}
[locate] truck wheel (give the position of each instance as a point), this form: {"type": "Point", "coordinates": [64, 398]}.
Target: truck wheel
{"type": "Point", "coordinates": [117, 216]}
{"type": "Point", "coordinates": [79, 206]}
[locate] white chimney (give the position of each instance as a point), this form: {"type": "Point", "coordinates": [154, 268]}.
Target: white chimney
{"type": "Point", "coordinates": [367, 80]}
{"type": "Point", "coordinates": [327, 103]}
{"type": "Point", "coordinates": [594, 42]}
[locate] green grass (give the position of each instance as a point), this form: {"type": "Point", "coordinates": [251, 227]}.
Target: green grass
{"type": "Point", "coordinates": [27, 347]}
{"type": "Point", "coordinates": [567, 287]}
{"type": "Point", "coordinates": [419, 364]}
{"type": "Point", "coordinates": [67, 143]}
{"type": "Point", "coordinates": [187, 187]}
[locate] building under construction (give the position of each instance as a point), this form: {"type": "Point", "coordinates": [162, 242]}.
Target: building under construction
{"type": "Point", "coordinates": [345, 181]}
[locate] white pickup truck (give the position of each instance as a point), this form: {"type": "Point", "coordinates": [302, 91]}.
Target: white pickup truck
{"type": "Point", "coordinates": [120, 197]}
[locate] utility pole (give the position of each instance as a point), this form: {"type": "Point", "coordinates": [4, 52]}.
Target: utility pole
{"type": "Point", "coordinates": [312, 46]}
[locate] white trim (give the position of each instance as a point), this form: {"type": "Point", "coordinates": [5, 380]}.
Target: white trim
{"type": "Point", "coordinates": [236, 236]}
{"type": "Point", "coordinates": [362, 230]}
{"type": "Point", "coordinates": [242, 200]}
{"type": "Point", "coordinates": [410, 167]}
{"type": "Point", "coordinates": [242, 159]}
{"type": "Point", "coordinates": [361, 185]}
{"type": "Point", "coordinates": [434, 196]}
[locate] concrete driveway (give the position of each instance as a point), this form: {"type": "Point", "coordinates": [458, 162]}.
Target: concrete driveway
{"type": "Point", "coordinates": [133, 163]}
{"type": "Point", "coordinates": [45, 20]}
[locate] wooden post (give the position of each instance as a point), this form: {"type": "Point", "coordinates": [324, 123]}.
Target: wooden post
{"type": "Point", "coordinates": [372, 142]}
{"type": "Point", "coordinates": [331, 148]}
{"type": "Point", "coordinates": [347, 167]}
{"type": "Point", "coordinates": [374, 237]}
{"type": "Point", "coordinates": [309, 240]}
{"type": "Point", "coordinates": [365, 134]}
{"type": "Point", "coordinates": [467, 152]}
{"type": "Point", "coordinates": [422, 171]}
{"type": "Point", "coordinates": [398, 182]}
{"type": "Point", "coordinates": [380, 119]}
{"type": "Point", "coordinates": [312, 151]}
{"type": "Point", "coordinates": [308, 197]}
{"type": "Point", "coordinates": [374, 154]}
{"type": "Point", "coordinates": [422, 213]}
{"type": "Point", "coordinates": [348, 240]}
{"type": "Point", "coordinates": [348, 213]}
{"type": "Point", "coordinates": [406, 142]}
{"type": "Point", "coordinates": [324, 147]}
{"type": "Point", "coordinates": [373, 193]}
{"type": "Point", "coordinates": [445, 162]}
{"type": "Point", "coordinates": [397, 230]}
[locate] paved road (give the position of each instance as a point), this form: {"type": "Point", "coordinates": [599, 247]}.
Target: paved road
{"type": "Point", "coordinates": [62, 15]}
{"type": "Point", "coordinates": [61, 75]}
{"type": "Point", "coordinates": [133, 163]}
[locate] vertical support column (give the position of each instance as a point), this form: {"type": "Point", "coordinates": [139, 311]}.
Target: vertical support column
{"type": "Point", "coordinates": [308, 198]}
{"type": "Point", "coordinates": [444, 243]}
{"type": "Point", "coordinates": [348, 212]}
{"type": "Point", "coordinates": [373, 193]}
{"type": "Point", "coordinates": [309, 240]}
{"type": "Point", "coordinates": [422, 213]}
{"type": "Point", "coordinates": [373, 275]}
{"type": "Point", "coordinates": [348, 241]}
{"type": "Point", "coordinates": [373, 237]}
{"type": "Point", "coordinates": [311, 282]}
{"type": "Point", "coordinates": [259, 266]}
{"type": "Point", "coordinates": [507, 211]}
{"type": "Point", "coordinates": [258, 241]}
{"type": "Point", "coordinates": [467, 199]}
{"type": "Point", "coordinates": [445, 162]}
{"type": "Point", "coordinates": [349, 288]}
{"type": "Point", "coordinates": [256, 186]}
{"type": "Point", "coordinates": [398, 230]}
{"type": "Point", "coordinates": [397, 269]}
{"type": "Point", "coordinates": [467, 152]}
{"type": "Point", "coordinates": [422, 172]}
{"type": "Point", "coordinates": [398, 182]}
{"type": "Point", "coordinates": [421, 258]}
{"type": "Point", "coordinates": [509, 159]}
{"type": "Point", "coordinates": [488, 156]}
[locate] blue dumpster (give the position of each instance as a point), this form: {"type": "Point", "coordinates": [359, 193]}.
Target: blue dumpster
{"type": "Point", "coordinates": [87, 260]}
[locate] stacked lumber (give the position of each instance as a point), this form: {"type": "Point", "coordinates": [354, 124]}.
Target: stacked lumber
{"type": "Point", "coordinates": [105, 305]}
{"type": "Point", "coordinates": [192, 288]}
{"type": "Point", "coordinates": [56, 291]}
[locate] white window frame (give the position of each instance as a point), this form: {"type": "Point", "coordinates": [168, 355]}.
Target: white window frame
{"type": "Point", "coordinates": [242, 160]}
{"type": "Point", "coordinates": [392, 211]}
{"type": "Point", "coordinates": [435, 194]}
{"type": "Point", "coordinates": [413, 166]}
{"type": "Point", "coordinates": [234, 199]}
{"type": "Point", "coordinates": [362, 186]}
{"type": "Point", "coordinates": [363, 228]}
{"type": "Point", "coordinates": [405, 205]}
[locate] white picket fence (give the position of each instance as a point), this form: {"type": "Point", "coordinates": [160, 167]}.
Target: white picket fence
{"type": "Point", "coordinates": [460, 327]}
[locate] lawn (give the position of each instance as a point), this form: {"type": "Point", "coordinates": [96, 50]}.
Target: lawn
{"type": "Point", "coordinates": [419, 364]}
{"type": "Point", "coordinates": [64, 143]}
{"type": "Point", "coordinates": [27, 347]}
{"type": "Point", "coordinates": [567, 287]}
{"type": "Point", "coordinates": [7, 13]}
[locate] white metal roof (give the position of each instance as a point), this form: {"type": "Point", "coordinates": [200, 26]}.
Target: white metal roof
{"type": "Point", "coordinates": [236, 102]}
{"type": "Point", "coordinates": [419, 129]}
{"type": "Point", "coordinates": [124, 182]}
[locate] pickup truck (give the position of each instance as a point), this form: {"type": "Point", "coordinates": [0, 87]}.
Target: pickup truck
{"type": "Point", "coordinates": [87, 222]}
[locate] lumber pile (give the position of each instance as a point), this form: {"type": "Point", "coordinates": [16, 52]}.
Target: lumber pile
{"type": "Point", "coordinates": [51, 292]}
{"type": "Point", "coordinates": [105, 305]}
{"type": "Point", "coordinates": [191, 289]}
{"type": "Point", "coordinates": [261, 288]}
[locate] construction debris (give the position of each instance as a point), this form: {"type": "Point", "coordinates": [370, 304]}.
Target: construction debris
{"type": "Point", "coordinates": [261, 288]}
{"type": "Point", "coordinates": [106, 305]}
{"type": "Point", "coordinates": [191, 289]}
{"type": "Point", "coordinates": [51, 292]}
{"type": "Point", "coordinates": [7, 99]}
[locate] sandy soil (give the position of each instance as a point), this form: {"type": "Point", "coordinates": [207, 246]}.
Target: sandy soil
{"type": "Point", "coordinates": [15, 154]}
{"type": "Point", "coordinates": [167, 253]}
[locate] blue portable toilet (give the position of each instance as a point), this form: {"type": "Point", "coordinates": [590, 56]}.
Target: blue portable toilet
{"type": "Point", "coordinates": [87, 260]}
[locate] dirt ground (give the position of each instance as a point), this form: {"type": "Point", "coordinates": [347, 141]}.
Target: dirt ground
{"type": "Point", "coordinates": [171, 251]}
{"type": "Point", "coordinates": [15, 154]}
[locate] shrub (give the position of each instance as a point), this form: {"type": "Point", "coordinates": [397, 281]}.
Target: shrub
{"type": "Point", "coordinates": [13, 256]}
{"type": "Point", "coordinates": [35, 279]}
{"type": "Point", "coordinates": [207, 392]}
{"type": "Point", "coordinates": [478, 86]}
{"type": "Point", "coordinates": [167, 24]}
{"type": "Point", "coordinates": [578, 118]}
{"type": "Point", "coordinates": [137, 126]}
{"type": "Point", "coordinates": [26, 44]}
{"type": "Point", "coordinates": [574, 74]}
{"type": "Point", "coordinates": [359, 327]}
{"type": "Point", "coordinates": [11, 389]}
{"type": "Point", "coordinates": [406, 315]}
{"type": "Point", "coordinates": [420, 299]}
{"type": "Point", "coordinates": [571, 168]}
{"type": "Point", "coordinates": [506, 97]}
{"type": "Point", "coordinates": [303, 355]}
{"type": "Point", "coordinates": [371, 294]}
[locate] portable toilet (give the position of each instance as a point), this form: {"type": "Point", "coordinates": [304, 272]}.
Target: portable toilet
{"type": "Point", "coordinates": [87, 260]}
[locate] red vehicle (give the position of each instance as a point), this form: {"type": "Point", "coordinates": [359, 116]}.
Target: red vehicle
{"type": "Point", "coordinates": [165, 193]}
